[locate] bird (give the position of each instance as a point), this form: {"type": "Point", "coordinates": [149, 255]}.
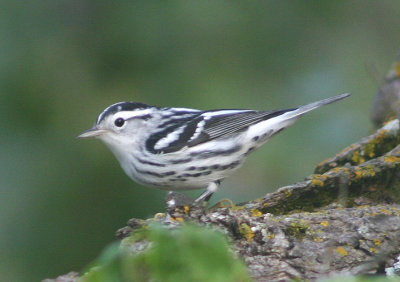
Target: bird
{"type": "Point", "coordinates": [174, 149]}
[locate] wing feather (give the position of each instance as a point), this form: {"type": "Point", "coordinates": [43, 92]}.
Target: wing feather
{"type": "Point", "coordinates": [226, 125]}
{"type": "Point", "coordinates": [207, 126]}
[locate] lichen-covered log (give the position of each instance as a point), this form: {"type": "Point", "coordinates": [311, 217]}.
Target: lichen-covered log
{"type": "Point", "coordinates": [344, 219]}
{"type": "Point", "coordinates": [377, 179]}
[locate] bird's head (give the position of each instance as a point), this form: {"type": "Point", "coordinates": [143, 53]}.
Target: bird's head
{"type": "Point", "coordinates": [120, 123]}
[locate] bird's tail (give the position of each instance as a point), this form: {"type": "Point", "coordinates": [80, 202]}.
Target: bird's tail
{"type": "Point", "coordinates": [274, 125]}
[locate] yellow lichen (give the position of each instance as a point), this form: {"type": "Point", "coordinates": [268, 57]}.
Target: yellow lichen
{"type": "Point", "coordinates": [255, 212]}
{"type": "Point", "coordinates": [358, 174]}
{"type": "Point", "coordinates": [270, 236]}
{"type": "Point", "coordinates": [318, 180]}
{"type": "Point", "coordinates": [385, 211]}
{"type": "Point", "coordinates": [318, 239]}
{"type": "Point", "coordinates": [382, 134]}
{"type": "Point", "coordinates": [249, 236]}
{"type": "Point", "coordinates": [371, 154]}
{"type": "Point", "coordinates": [357, 158]}
{"type": "Point", "coordinates": [391, 159]}
{"type": "Point", "coordinates": [245, 230]}
{"type": "Point", "coordinates": [342, 251]}
{"type": "Point", "coordinates": [186, 209]}
{"type": "Point", "coordinates": [238, 208]}
{"type": "Point", "coordinates": [340, 169]}
{"type": "Point", "coordinates": [361, 172]}
{"type": "Point", "coordinates": [373, 250]}
{"type": "Point", "coordinates": [367, 171]}
{"type": "Point", "coordinates": [288, 193]}
{"type": "Point", "coordinates": [370, 147]}
{"type": "Point", "coordinates": [324, 223]}
{"type": "Point", "coordinates": [377, 242]}
{"type": "Point", "coordinates": [178, 219]}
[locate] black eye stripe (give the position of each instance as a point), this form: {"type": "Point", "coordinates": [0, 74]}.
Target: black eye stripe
{"type": "Point", "coordinates": [144, 117]}
{"type": "Point", "coordinates": [119, 122]}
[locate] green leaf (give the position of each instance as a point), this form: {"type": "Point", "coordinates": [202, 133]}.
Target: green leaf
{"type": "Point", "coordinates": [189, 253]}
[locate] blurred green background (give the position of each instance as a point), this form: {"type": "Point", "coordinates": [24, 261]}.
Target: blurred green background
{"type": "Point", "coordinates": [63, 62]}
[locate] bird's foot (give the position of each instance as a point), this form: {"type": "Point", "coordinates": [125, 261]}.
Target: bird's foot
{"type": "Point", "coordinates": [180, 206]}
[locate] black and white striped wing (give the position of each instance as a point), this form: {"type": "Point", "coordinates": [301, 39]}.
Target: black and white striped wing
{"type": "Point", "coordinates": [204, 127]}
{"type": "Point", "coordinates": [219, 124]}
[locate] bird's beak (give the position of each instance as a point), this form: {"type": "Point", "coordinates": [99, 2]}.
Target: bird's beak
{"type": "Point", "coordinates": [93, 132]}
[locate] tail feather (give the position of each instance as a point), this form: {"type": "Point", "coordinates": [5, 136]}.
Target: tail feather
{"type": "Point", "coordinates": [309, 107]}
{"type": "Point", "coordinates": [272, 126]}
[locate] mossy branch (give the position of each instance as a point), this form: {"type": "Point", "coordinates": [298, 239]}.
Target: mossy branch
{"type": "Point", "coordinates": [377, 178]}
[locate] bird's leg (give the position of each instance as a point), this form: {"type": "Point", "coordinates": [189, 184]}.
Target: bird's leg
{"type": "Point", "coordinates": [175, 200]}
{"type": "Point", "coordinates": [206, 195]}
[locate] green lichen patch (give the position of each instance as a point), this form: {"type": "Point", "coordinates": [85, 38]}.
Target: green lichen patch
{"type": "Point", "coordinates": [315, 195]}
{"type": "Point", "coordinates": [377, 180]}
{"type": "Point", "coordinates": [297, 229]}
{"type": "Point", "coordinates": [246, 232]}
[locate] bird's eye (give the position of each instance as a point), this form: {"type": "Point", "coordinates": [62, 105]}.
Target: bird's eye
{"type": "Point", "coordinates": [119, 122]}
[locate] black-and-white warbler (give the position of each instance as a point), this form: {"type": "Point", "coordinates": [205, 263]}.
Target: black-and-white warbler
{"type": "Point", "coordinates": [181, 149]}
